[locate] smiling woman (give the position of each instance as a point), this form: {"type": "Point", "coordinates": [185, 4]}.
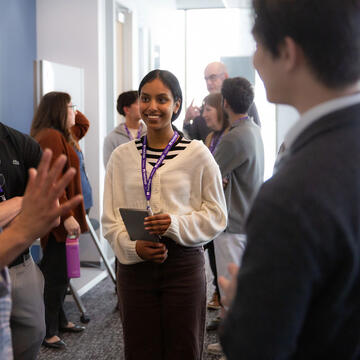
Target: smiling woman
{"type": "Point", "coordinates": [162, 284]}
{"type": "Point", "coordinates": [157, 107]}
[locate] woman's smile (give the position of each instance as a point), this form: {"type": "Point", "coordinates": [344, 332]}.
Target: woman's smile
{"type": "Point", "coordinates": [157, 105]}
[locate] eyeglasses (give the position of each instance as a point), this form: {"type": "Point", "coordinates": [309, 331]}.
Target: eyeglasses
{"type": "Point", "coordinates": [213, 77]}
{"type": "Point", "coordinates": [74, 107]}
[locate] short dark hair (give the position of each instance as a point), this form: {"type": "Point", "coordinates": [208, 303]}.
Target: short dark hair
{"type": "Point", "coordinates": [238, 93]}
{"type": "Point", "coordinates": [328, 31]}
{"type": "Point", "coordinates": [170, 81]}
{"type": "Point", "coordinates": [126, 98]}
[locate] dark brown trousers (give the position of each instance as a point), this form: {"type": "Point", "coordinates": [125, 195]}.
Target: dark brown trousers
{"type": "Point", "coordinates": [163, 306]}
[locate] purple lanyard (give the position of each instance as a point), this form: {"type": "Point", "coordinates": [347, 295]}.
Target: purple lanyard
{"type": "Point", "coordinates": [147, 181]}
{"type": "Point", "coordinates": [215, 141]}
{"type": "Point", "coordinates": [129, 133]}
{"type": "Point", "coordinates": [2, 192]}
{"type": "Point", "coordinates": [240, 120]}
{"type": "Point", "coordinates": [2, 195]}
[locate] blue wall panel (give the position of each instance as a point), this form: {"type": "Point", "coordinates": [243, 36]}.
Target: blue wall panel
{"type": "Point", "coordinates": [17, 55]}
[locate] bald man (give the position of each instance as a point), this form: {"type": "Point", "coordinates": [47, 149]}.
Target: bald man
{"type": "Point", "coordinates": [194, 124]}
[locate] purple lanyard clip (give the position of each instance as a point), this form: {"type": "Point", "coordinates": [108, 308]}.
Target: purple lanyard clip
{"type": "Point", "coordinates": [147, 181]}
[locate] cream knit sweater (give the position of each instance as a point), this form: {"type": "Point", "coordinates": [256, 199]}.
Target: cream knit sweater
{"type": "Point", "coordinates": [188, 188]}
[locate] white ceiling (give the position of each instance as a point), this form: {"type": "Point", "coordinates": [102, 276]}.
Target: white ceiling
{"type": "Point", "coordinates": [237, 3]}
{"type": "Point", "coordinates": [210, 4]}
{"type": "Point", "coordinates": [199, 4]}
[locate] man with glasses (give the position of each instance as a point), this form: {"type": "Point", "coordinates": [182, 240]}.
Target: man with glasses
{"type": "Point", "coordinates": [194, 124]}
{"type": "Point", "coordinates": [19, 153]}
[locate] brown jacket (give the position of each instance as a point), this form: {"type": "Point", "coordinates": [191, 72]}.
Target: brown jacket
{"type": "Point", "coordinates": [54, 140]}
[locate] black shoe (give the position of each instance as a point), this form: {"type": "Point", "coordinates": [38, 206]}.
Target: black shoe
{"type": "Point", "coordinates": [55, 345]}
{"type": "Point", "coordinates": [213, 324]}
{"type": "Point", "coordinates": [73, 329]}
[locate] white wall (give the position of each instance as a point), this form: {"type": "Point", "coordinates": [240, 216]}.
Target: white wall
{"type": "Point", "coordinates": [76, 33]}
{"type": "Point", "coordinates": [286, 116]}
{"type": "Point", "coordinates": [71, 32]}
{"type": "Point", "coordinates": [153, 17]}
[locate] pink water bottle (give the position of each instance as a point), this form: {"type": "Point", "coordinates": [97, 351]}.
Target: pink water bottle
{"type": "Point", "coordinates": [72, 256]}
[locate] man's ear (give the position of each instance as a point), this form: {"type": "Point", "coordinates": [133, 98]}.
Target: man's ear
{"type": "Point", "coordinates": [126, 110]}
{"type": "Point", "coordinates": [225, 104]}
{"type": "Point", "coordinates": [291, 53]}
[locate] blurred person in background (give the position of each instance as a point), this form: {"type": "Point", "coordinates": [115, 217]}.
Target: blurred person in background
{"type": "Point", "coordinates": [240, 156]}
{"type": "Point", "coordinates": [216, 120]}
{"type": "Point", "coordinates": [133, 127]}
{"type": "Point", "coordinates": [78, 131]}
{"type": "Point", "coordinates": [52, 127]}
{"type": "Point", "coordinates": [194, 123]}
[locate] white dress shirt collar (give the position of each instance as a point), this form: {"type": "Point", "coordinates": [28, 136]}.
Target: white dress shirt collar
{"type": "Point", "coordinates": [316, 113]}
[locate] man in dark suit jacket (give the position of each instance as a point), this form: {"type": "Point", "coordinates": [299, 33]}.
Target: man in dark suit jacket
{"type": "Point", "coordinates": [297, 294]}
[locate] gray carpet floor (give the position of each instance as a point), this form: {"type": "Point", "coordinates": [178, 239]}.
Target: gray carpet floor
{"type": "Point", "coordinates": [102, 338]}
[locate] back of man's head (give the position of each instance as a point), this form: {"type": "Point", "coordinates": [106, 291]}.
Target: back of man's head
{"type": "Point", "coordinates": [328, 31]}
{"type": "Point", "coordinates": [126, 98]}
{"type": "Point", "coordinates": [238, 93]}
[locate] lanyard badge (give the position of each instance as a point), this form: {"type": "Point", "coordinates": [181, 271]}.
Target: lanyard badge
{"type": "Point", "coordinates": [147, 181]}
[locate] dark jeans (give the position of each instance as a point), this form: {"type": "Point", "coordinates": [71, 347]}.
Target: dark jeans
{"type": "Point", "coordinates": [163, 306]}
{"type": "Point", "coordinates": [212, 262]}
{"type": "Point", "coordinates": [53, 267]}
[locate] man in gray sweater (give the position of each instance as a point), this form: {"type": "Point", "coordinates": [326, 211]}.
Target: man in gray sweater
{"type": "Point", "coordinates": [240, 156]}
{"type": "Point", "coordinates": [133, 127]}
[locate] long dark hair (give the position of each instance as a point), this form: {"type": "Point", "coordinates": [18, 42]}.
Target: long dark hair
{"type": "Point", "coordinates": [170, 81]}
{"type": "Point", "coordinates": [52, 113]}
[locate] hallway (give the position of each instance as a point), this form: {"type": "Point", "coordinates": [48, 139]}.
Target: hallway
{"type": "Point", "coordinates": [103, 336]}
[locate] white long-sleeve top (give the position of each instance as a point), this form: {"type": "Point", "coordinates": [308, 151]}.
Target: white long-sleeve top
{"type": "Point", "coordinates": [187, 187]}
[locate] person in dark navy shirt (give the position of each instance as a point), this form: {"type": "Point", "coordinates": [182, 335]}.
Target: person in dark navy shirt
{"type": "Point", "coordinates": [19, 153]}
{"type": "Point", "coordinates": [40, 211]}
